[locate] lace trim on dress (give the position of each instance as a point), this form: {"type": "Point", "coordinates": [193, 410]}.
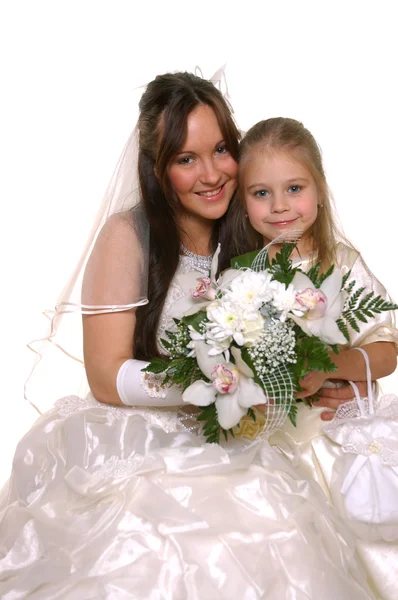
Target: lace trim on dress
{"type": "Point", "coordinates": [165, 418]}
{"type": "Point", "coordinates": [72, 404]}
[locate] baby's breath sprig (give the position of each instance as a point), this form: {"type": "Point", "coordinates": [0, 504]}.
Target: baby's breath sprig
{"type": "Point", "coordinates": [275, 347]}
{"type": "Point", "coordinates": [177, 342]}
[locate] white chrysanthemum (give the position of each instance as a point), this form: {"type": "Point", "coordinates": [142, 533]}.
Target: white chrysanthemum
{"type": "Point", "coordinates": [228, 322]}
{"type": "Point", "coordinates": [284, 298]}
{"type": "Point", "coordinates": [252, 328]}
{"type": "Point", "coordinates": [216, 348]}
{"type": "Point", "coordinates": [224, 320]}
{"type": "Point", "coordinates": [249, 290]}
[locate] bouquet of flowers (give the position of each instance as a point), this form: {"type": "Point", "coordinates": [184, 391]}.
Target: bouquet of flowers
{"type": "Point", "coordinates": [249, 337]}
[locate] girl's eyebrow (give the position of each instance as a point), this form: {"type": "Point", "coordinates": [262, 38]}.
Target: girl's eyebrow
{"type": "Point", "coordinates": [297, 179]}
{"type": "Point", "coordinates": [253, 185]}
{"type": "Point", "coordinates": [286, 182]}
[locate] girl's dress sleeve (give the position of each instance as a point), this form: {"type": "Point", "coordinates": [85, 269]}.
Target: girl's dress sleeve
{"type": "Point", "coordinates": [382, 327]}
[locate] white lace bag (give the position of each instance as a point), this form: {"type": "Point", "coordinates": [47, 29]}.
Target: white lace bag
{"type": "Point", "coordinates": [364, 483]}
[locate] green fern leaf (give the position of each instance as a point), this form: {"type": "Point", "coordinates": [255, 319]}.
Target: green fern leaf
{"type": "Point", "coordinates": [351, 320]}
{"type": "Point", "coordinates": [293, 415]}
{"type": "Point", "coordinates": [313, 273]}
{"type": "Point", "coordinates": [350, 287]}
{"type": "Point", "coordinates": [251, 414]}
{"type": "Point", "coordinates": [360, 316]}
{"type": "Point", "coordinates": [345, 279]}
{"type": "Point", "coordinates": [354, 298]}
{"type": "Point", "coordinates": [343, 328]}
{"type": "Point", "coordinates": [363, 303]}
{"type": "Point", "coordinates": [157, 365]}
{"type": "Point", "coordinates": [324, 276]}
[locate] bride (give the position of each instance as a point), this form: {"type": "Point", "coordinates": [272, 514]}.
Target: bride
{"type": "Point", "coordinates": [117, 495]}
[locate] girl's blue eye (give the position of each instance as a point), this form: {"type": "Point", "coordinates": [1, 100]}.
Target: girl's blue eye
{"type": "Point", "coordinates": [261, 193]}
{"type": "Point", "coordinates": [295, 189]}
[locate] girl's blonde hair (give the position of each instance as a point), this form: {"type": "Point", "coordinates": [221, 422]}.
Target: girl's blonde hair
{"type": "Point", "coordinates": [288, 135]}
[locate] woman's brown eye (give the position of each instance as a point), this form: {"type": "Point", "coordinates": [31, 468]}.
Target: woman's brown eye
{"type": "Point", "coordinates": [184, 161]}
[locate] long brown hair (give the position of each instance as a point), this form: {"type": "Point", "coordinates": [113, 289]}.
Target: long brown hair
{"type": "Point", "coordinates": [283, 134]}
{"type": "Point", "coordinates": [164, 110]}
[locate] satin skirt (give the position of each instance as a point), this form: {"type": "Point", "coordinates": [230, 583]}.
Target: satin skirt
{"type": "Point", "coordinates": [313, 455]}
{"type": "Point", "coordinates": [115, 503]}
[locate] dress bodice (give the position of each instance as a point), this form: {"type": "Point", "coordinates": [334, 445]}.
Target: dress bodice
{"type": "Point", "coordinates": [175, 294]}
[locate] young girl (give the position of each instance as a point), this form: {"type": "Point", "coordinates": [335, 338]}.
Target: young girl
{"type": "Point", "coordinates": [283, 189]}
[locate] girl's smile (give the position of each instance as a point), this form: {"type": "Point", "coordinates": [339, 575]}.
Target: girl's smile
{"type": "Point", "coordinates": [282, 223]}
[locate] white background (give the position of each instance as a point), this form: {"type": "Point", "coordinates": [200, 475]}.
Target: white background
{"type": "Point", "coordinates": [68, 102]}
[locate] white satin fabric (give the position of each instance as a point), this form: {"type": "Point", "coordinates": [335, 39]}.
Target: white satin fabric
{"type": "Point", "coordinates": [119, 503]}
{"type": "Point", "coordinates": [314, 455]}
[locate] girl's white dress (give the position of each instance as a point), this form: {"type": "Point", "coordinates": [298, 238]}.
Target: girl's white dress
{"type": "Point", "coordinates": [313, 454]}
{"type": "Point", "coordinates": [122, 503]}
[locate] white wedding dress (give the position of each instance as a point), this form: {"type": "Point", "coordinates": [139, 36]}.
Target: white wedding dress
{"type": "Point", "coordinates": [121, 503]}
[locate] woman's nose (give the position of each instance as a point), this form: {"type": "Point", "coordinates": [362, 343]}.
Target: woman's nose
{"type": "Point", "coordinates": [210, 174]}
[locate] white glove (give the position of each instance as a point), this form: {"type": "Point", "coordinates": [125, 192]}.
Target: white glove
{"type": "Point", "coordinates": [139, 388]}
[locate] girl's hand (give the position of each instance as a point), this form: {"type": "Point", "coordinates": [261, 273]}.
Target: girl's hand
{"type": "Point", "coordinates": [311, 383]}
{"type": "Point", "coordinates": [332, 397]}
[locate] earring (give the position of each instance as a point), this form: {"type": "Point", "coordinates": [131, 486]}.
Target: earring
{"type": "Point", "coordinates": [246, 215]}
{"type": "Point", "coordinates": [320, 205]}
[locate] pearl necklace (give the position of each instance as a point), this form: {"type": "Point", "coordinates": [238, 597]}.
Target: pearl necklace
{"type": "Point", "coordinates": [196, 261]}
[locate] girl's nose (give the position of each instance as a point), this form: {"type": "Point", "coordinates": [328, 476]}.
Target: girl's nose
{"type": "Point", "coordinates": [279, 203]}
